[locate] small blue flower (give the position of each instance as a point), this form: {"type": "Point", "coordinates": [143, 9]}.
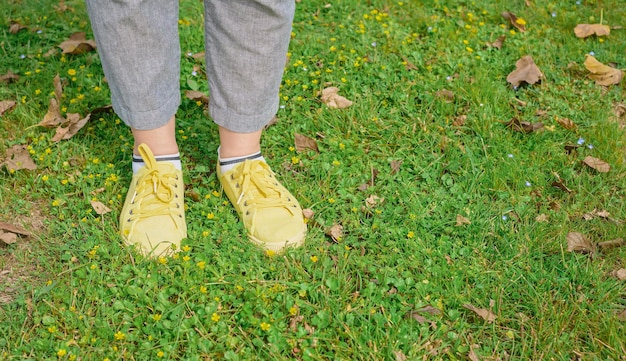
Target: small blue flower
{"type": "Point", "coordinates": [528, 184]}
{"type": "Point", "coordinates": [592, 53]}
{"type": "Point", "coordinates": [553, 14]}
{"type": "Point", "coordinates": [580, 141]}
{"type": "Point", "coordinates": [504, 217]}
{"type": "Point", "coordinates": [22, 56]}
{"type": "Point", "coordinates": [510, 155]}
{"type": "Point", "coordinates": [590, 146]}
{"type": "Point", "coordinates": [374, 44]}
{"type": "Point", "coordinates": [194, 73]}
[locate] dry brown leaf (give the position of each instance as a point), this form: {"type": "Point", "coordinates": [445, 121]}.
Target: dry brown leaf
{"type": "Point", "coordinates": [395, 166]}
{"type": "Point", "coordinates": [9, 77]}
{"type": "Point", "coordinates": [585, 30]}
{"type": "Point", "coordinates": [485, 314]}
{"type": "Point", "coordinates": [77, 44]}
{"type": "Point", "coordinates": [53, 117]}
{"type": "Point", "coordinates": [578, 242]}
{"type": "Point", "coordinates": [72, 125]}
{"type": "Point", "coordinates": [332, 99]}
{"type": "Point", "coordinates": [498, 43]}
{"type": "Point", "coordinates": [516, 22]}
{"type": "Point", "coordinates": [541, 218]}
{"type": "Point", "coordinates": [6, 105]}
{"type": "Point", "coordinates": [618, 242]}
{"type": "Point", "coordinates": [400, 356]}
{"type": "Point", "coordinates": [446, 94]}
{"type": "Point", "coordinates": [7, 237]}
{"type": "Point", "coordinates": [100, 208]}
{"type": "Point", "coordinates": [304, 143]}
{"type": "Point", "coordinates": [428, 310]}
{"type": "Point", "coordinates": [523, 126]}
{"type": "Point", "coordinates": [15, 27]}
{"type": "Point", "coordinates": [459, 121]}
{"type": "Point", "coordinates": [197, 95]}
{"type": "Point", "coordinates": [602, 74]}
{"type": "Point", "coordinates": [335, 232]}
{"type": "Point", "coordinates": [374, 200]}
{"type": "Point", "coordinates": [471, 355]}
{"type": "Point", "coordinates": [620, 274]}
{"type": "Point", "coordinates": [308, 213]}
{"type": "Point", "coordinates": [461, 221]}
{"type": "Point", "coordinates": [622, 316]}
{"type": "Point", "coordinates": [526, 71]}
{"type": "Point", "coordinates": [11, 228]}
{"type": "Point", "coordinates": [18, 158]}
{"type": "Point", "coordinates": [597, 164]}
{"type": "Point", "coordinates": [566, 123]}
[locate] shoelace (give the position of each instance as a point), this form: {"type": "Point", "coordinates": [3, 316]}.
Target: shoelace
{"type": "Point", "coordinates": [256, 178]}
{"type": "Point", "coordinates": [155, 192]}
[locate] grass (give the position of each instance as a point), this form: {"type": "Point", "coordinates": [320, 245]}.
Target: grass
{"type": "Point", "coordinates": [72, 291]}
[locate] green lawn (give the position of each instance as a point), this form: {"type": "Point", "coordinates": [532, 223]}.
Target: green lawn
{"type": "Point", "coordinates": [455, 224]}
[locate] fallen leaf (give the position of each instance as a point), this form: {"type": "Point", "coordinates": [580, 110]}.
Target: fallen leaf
{"type": "Point", "coordinates": [566, 123]}
{"type": "Point", "coordinates": [374, 200]}
{"type": "Point", "coordinates": [620, 274]}
{"type": "Point", "coordinates": [446, 94]}
{"type": "Point", "coordinates": [62, 7]}
{"type": "Point", "coordinates": [578, 242]}
{"type": "Point", "coordinates": [459, 121]}
{"type": "Point", "coordinates": [53, 117]}
{"type": "Point", "coordinates": [518, 23]}
{"type": "Point", "coordinates": [597, 164]}
{"type": "Point", "coordinates": [18, 158]}
{"type": "Point", "coordinates": [395, 166]}
{"type": "Point", "coordinates": [6, 105]}
{"type": "Point", "coordinates": [602, 74]}
{"type": "Point", "coordinates": [100, 208]}
{"type": "Point", "coordinates": [541, 218]}
{"type": "Point", "coordinates": [335, 232]}
{"type": "Point", "coordinates": [622, 316]}
{"type": "Point", "coordinates": [461, 221]}
{"type": "Point", "coordinates": [294, 321]}
{"type": "Point", "coordinates": [15, 27]}
{"type": "Point", "coordinates": [330, 97]}
{"type": "Point", "coordinates": [429, 310]}
{"type": "Point", "coordinates": [400, 356]}
{"type": "Point", "coordinates": [304, 143]}
{"type": "Point", "coordinates": [619, 114]}
{"type": "Point", "coordinates": [498, 43]}
{"type": "Point", "coordinates": [9, 77]}
{"type": "Point", "coordinates": [471, 355]}
{"type": "Point", "coordinates": [523, 126]}
{"type": "Point", "coordinates": [77, 44]}
{"type": "Point", "coordinates": [585, 30]}
{"type": "Point", "coordinates": [308, 213]}
{"type": "Point", "coordinates": [618, 242]}
{"type": "Point", "coordinates": [485, 314]}
{"type": "Point", "coordinates": [8, 238]}
{"type": "Point", "coordinates": [70, 127]}
{"type": "Point", "coordinates": [525, 71]}
{"type": "Point", "coordinates": [197, 95]}
{"type": "Point", "coordinates": [8, 227]}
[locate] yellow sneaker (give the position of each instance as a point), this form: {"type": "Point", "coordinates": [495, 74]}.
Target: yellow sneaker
{"type": "Point", "coordinates": [153, 216]}
{"type": "Point", "coordinates": [271, 215]}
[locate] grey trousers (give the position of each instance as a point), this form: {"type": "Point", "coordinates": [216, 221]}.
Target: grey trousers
{"type": "Point", "coordinates": [246, 43]}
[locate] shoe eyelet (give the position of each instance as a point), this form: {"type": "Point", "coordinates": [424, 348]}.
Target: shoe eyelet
{"type": "Point", "coordinates": [237, 185]}
{"type": "Point", "coordinates": [232, 177]}
{"type": "Point", "coordinates": [247, 213]}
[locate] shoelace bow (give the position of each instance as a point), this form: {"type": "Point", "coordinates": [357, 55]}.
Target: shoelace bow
{"type": "Point", "coordinates": [156, 192]}
{"type": "Point", "coordinates": [255, 178]}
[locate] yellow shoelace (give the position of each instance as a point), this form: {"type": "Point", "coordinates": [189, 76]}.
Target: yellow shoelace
{"type": "Point", "coordinates": [256, 179]}
{"type": "Point", "coordinates": [154, 194]}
